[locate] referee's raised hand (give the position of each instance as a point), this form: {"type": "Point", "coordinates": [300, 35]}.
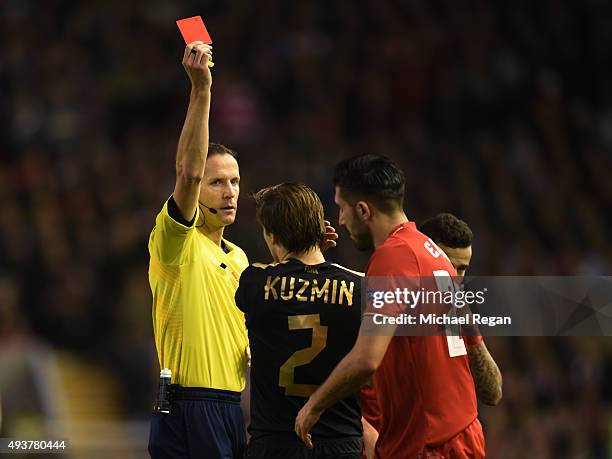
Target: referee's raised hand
{"type": "Point", "coordinates": [195, 61]}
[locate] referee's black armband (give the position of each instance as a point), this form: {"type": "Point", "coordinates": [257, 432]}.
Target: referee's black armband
{"type": "Point", "coordinates": [175, 213]}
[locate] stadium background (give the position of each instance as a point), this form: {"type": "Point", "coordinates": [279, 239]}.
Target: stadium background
{"type": "Point", "coordinates": [500, 112]}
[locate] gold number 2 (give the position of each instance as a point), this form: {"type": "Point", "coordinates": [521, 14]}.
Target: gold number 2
{"type": "Point", "coordinates": [303, 356]}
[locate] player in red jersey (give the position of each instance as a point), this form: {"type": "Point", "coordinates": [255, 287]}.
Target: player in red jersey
{"type": "Point", "coordinates": [454, 236]}
{"type": "Point", "coordinates": [424, 386]}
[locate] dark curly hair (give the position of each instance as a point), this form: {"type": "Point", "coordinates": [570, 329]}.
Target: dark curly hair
{"type": "Point", "coordinates": [449, 230]}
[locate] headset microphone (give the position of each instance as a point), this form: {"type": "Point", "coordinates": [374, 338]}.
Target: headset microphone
{"type": "Point", "coordinates": [211, 209]}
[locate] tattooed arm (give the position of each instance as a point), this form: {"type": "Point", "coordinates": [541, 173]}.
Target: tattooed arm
{"type": "Point", "coordinates": [486, 374]}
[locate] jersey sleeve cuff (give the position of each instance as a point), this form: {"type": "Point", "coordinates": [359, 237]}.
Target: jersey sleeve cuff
{"type": "Point", "coordinates": [175, 214]}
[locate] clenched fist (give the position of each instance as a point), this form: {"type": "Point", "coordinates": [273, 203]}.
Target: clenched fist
{"type": "Point", "coordinates": [195, 61]}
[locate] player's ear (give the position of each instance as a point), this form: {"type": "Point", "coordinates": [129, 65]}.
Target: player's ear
{"type": "Point", "coordinates": [363, 210]}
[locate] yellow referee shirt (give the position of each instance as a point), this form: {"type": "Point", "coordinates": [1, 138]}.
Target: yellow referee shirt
{"type": "Point", "coordinates": [199, 332]}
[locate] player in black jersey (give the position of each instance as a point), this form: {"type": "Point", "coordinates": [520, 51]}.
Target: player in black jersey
{"type": "Point", "coordinates": [302, 315]}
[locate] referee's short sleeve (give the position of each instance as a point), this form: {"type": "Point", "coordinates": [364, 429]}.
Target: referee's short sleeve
{"type": "Point", "coordinates": [171, 239]}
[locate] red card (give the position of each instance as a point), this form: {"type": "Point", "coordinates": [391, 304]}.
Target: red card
{"type": "Point", "coordinates": [193, 29]}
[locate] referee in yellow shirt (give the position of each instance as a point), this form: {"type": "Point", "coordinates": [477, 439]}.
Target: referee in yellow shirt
{"type": "Point", "coordinates": [199, 333]}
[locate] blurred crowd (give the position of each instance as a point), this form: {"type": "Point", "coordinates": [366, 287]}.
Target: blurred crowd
{"type": "Point", "coordinates": [500, 112]}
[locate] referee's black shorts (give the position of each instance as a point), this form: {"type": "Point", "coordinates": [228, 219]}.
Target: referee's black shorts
{"type": "Point", "coordinates": [203, 423]}
{"type": "Point", "coordinates": [344, 448]}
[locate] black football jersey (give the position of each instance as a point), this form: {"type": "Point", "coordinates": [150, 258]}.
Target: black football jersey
{"type": "Point", "coordinates": [302, 320]}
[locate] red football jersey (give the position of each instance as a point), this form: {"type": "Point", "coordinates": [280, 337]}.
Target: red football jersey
{"type": "Point", "coordinates": [425, 396]}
